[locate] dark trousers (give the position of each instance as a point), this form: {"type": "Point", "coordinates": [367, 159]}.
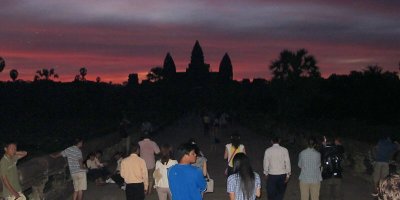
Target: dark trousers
{"type": "Point", "coordinates": [276, 186]}
{"type": "Point", "coordinates": [134, 191]}
{"type": "Point", "coordinates": [118, 179]}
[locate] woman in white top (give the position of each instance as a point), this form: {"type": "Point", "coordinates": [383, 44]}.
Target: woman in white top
{"type": "Point", "coordinates": [231, 150]}
{"type": "Point", "coordinates": [160, 172]}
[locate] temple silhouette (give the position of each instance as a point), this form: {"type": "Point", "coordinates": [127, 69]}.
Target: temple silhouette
{"type": "Point", "coordinates": [198, 71]}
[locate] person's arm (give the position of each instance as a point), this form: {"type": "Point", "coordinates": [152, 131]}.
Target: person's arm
{"type": "Point", "coordinates": [300, 163]}
{"type": "Point", "coordinates": [6, 183]}
{"type": "Point", "coordinates": [266, 163]}
{"type": "Point", "coordinates": [81, 165]}
{"type": "Point", "coordinates": [287, 164]}
{"type": "Point", "coordinates": [156, 148]}
{"type": "Point", "coordinates": [56, 155]}
{"type": "Point", "coordinates": [205, 168]}
{"type": "Point", "coordinates": [145, 176]}
{"type": "Point", "coordinates": [258, 186]}
{"type": "Point", "coordinates": [21, 154]}
{"type": "Point", "coordinates": [226, 154]}
{"type": "Point", "coordinates": [231, 196]}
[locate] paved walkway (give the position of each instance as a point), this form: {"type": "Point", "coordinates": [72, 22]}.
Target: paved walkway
{"type": "Point", "coordinates": [190, 127]}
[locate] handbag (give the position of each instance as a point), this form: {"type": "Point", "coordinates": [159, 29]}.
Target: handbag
{"type": "Point", "coordinates": [210, 184]}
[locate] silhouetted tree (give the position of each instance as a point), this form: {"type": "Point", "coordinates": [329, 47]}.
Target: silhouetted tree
{"type": "Point", "coordinates": [169, 68]}
{"type": "Point", "coordinates": [83, 73]}
{"type": "Point", "coordinates": [98, 79]}
{"type": "Point", "coordinates": [14, 74]}
{"type": "Point", "coordinates": [293, 65]}
{"type": "Point", "coordinates": [2, 64]}
{"type": "Point", "coordinates": [45, 74]}
{"type": "Point", "coordinates": [225, 68]}
{"type": "Point", "coordinates": [156, 74]}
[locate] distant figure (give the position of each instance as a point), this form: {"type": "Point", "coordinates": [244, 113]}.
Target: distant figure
{"type": "Point", "coordinates": [148, 149]}
{"type": "Point", "coordinates": [186, 182]}
{"type": "Point", "coordinates": [134, 172]}
{"type": "Point", "coordinates": [123, 126]}
{"type": "Point", "coordinates": [95, 171]}
{"type": "Point", "coordinates": [244, 183]}
{"type": "Point", "coordinates": [231, 150]}
{"type": "Point", "coordinates": [223, 120]}
{"type": "Point", "coordinates": [161, 175]}
{"type": "Point", "coordinates": [389, 187]}
{"type": "Point", "coordinates": [76, 167]}
{"type": "Point", "coordinates": [9, 175]}
{"type": "Point", "coordinates": [214, 134]}
{"type": "Point", "coordinates": [277, 169]}
{"type": "Point", "coordinates": [332, 154]}
{"type": "Point", "coordinates": [385, 150]}
{"type": "Point", "coordinates": [310, 175]}
{"type": "Point", "coordinates": [147, 128]}
{"type": "Point", "coordinates": [206, 124]}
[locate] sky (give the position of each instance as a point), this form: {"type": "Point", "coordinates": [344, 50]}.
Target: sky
{"type": "Point", "coordinates": [115, 38]}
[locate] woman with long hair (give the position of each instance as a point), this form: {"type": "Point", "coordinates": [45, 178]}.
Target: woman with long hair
{"type": "Point", "coordinates": [230, 150]}
{"type": "Point", "coordinates": [244, 183]}
{"type": "Point", "coordinates": [160, 172]}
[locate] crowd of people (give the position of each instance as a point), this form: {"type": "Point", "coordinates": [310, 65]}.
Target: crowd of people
{"type": "Point", "coordinates": [182, 173]}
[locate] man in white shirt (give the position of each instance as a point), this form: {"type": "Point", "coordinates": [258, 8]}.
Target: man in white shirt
{"type": "Point", "coordinates": [276, 169]}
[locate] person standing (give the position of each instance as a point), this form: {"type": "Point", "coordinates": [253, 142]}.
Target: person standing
{"type": "Point", "coordinates": [9, 175]}
{"type": "Point", "coordinates": [244, 183]}
{"type": "Point", "coordinates": [160, 174]}
{"type": "Point", "coordinates": [332, 154]}
{"type": "Point", "coordinates": [76, 167]}
{"type": "Point", "coordinates": [231, 150]}
{"type": "Point", "coordinates": [134, 172]}
{"type": "Point", "coordinates": [385, 149]}
{"type": "Point", "coordinates": [310, 175]}
{"type": "Point", "coordinates": [276, 169]}
{"type": "Point", "coordinates": [148, 149]}
{"type": "Point", "coordinates": [186, 182]}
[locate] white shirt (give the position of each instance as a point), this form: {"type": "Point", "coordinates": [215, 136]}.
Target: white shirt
{"type": "Point", "coordinates": [162, 180]}
{"type": "Point", "coordinates": [276, 161]}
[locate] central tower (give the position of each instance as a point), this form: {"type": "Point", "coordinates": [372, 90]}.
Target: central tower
{"type": "Point", "coordinates": [197, 67]}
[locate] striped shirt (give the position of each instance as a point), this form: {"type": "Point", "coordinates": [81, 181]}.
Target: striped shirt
{"type": "Point", "coordinates": [73, 155]}
{"type": "Point", "coordinates": [310, 163]}
{"type": "Point", "coordinates": [233, 185]}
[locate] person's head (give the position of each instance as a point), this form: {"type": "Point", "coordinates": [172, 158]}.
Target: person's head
{"type": "Point", "coordinates": [338, 141]}
{"type": "Point", "coordinates": [10, 148]}
{"type": "Point", "coordinates": [99, 154]}
{"type": "Point", "coordinates": [275, 140]}
{"type": "Point", "coordinates": [197, 148]}
{"type": "Point", "coordinates": [186, 154]}
{"type": "Point", "coordinates": [312, 142]}
{"type": "Point", "coordinates": [241, 165]}
{"type": "Point", "coordinates": [235, 139]}
{"type": "Point", "coordinates": [135, 148]}
{"type": "Point", "coordinates": [165, 152]}
{"type": "Point", "coordinates": [92, 156]}
{"type": "Point", "coordinates": [78, 142]}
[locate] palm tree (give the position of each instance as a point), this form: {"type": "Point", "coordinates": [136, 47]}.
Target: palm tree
{"type": "Point", "coordinates": [294, 65]}
{"type": "Point", "coordinates": [45, 74]}
{"type": "Point", "coordinates": [2, 64]}
{"type": "Point", "coordinates": [14, 74]}
{"type": "Point", "coordinates": [83, 72]}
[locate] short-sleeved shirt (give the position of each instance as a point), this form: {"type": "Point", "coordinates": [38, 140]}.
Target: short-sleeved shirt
{"type": "Point", "coordinates": [233, 185]}
{"type": "Point", "coordinates": [73, 155]}
{"type": "Point", "coordinates": [147, 150]}
{"type": "Point", "coordinates": [9, 169]}
{"type": "Point", "coordinates": [186, 182]}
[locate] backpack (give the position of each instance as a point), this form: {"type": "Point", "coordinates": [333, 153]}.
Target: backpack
{"type": "Point", "coordinates": [331, 162]}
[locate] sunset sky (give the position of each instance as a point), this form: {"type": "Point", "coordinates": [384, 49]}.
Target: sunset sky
{"type": "Point", "coordinates": [114, 38]}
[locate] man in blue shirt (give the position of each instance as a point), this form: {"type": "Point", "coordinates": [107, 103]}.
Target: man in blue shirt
{"type": "Point", "coordinates": [186, 182]}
